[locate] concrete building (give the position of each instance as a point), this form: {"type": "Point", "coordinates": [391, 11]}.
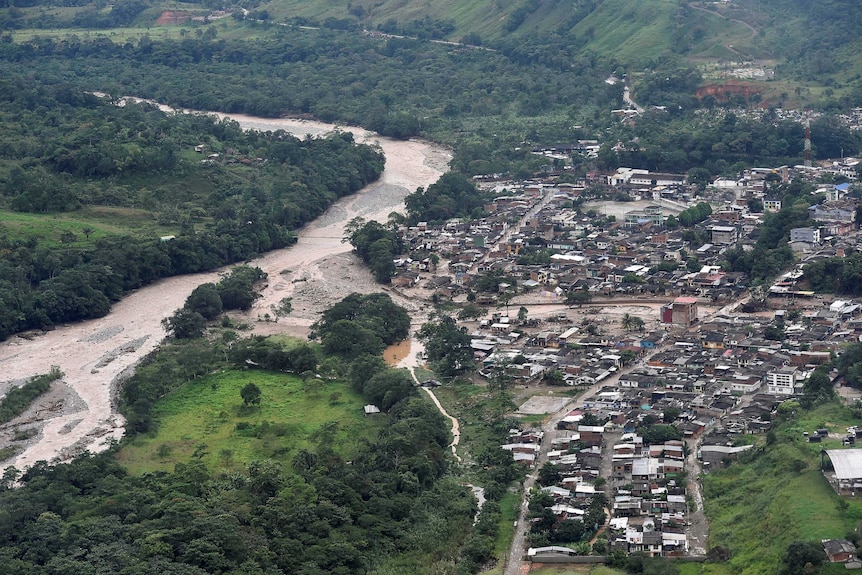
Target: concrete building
{"type": "Point", "coordinates": [723, 235]}
{"type": "Point", "coordinates": [807, 235]}
{"type": "Point", "coordinates": [771, 205]}
{"type": "Point", "coordinates": [682, 311]}
{"type": "Point", "coordinates": [781, 381]}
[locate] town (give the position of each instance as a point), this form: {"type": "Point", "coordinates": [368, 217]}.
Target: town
{"type": "Point", "coordinates": [676, 358]}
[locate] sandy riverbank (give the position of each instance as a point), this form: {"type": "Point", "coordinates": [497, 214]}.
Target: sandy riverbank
{"type": "Point", "coordinates": [80, 411]}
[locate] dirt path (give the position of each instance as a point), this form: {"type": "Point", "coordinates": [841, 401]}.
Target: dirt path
{"type": "Point", "coordinates": [411, 362]}
{"type": "Point", "coordinates": [95, 354]}
{"type": "Point", "coordinates": [456, 430]}
{"type": "Point", "coordinates": [752, 29]}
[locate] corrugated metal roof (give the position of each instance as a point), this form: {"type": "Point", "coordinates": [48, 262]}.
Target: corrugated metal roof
{"type": "Point", "coordinates": [847, 462]}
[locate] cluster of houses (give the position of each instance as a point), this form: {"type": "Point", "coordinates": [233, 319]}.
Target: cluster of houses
{"type": "Point", "coordinates": [538, 234]}
{"type": "Point", "coordinates": [712, 384]}
{"type": "Point", "coordinates": [710, 378]}
{"type": "Point", "coordinates": [648, 506]}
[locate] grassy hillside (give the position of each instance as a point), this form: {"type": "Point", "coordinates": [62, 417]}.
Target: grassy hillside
{"type": "Point", "coordinates": [811, 48]}
{"type": "Point", "coordinates": [633, 33]}
{"type": "Point", "coordinates": [207, 419]}
{"type": "Point", "coordinates": [757, 508]}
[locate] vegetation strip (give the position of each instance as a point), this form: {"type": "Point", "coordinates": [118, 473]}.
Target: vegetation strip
{"type": "Point", "coordinates": [18, 399]}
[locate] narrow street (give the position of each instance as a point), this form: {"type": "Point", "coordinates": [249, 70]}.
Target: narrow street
{"type": "Point", "coordinates": [514, 228]}
{"type": "Point", "coordinates": [698, 529]}
{"type": "Point", "coordinates": [515, 564]}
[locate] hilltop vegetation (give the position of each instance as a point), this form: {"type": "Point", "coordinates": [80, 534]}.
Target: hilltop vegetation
{"type": "Point", "coordinates": [628, 36]}
{"type": "Point", "coordinates": [776, 495]}
{"type": "Point", "coordinates": [491, 105]}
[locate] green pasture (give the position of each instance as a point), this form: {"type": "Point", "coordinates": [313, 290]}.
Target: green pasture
{"type": "Point", "coordinates": [535, 419]}
{"type": "Point", "coordinates": [703, 568]}
{"type": "Point", "coordinates": [206, 419]}
{"type": "Point", "coordinates": [509, 507]}
{"type": "Point", "coordinates": [88, 225]}
{"type": "Point", "coordinates": [226, 28]}
{"type": "Point", "coordinates": [577, 570]}
{"type": "Point", "coordinates": [466, 403]}
{"type": "Point", "coordinates": [50, 229]}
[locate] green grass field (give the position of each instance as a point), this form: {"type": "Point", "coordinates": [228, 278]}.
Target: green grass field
{"type": "Point", "coordinates": [509, 506]}
{"type": "Point", "coordinates": [206, 419]}
{"type": "Point", "coordinates": [226, 28]}
{"type": "Point", "coordinates": [49, 229]}
{"type": "Point", "coordinates": [577, 570]}
{"type": "Point", "coordinates": [466, 402]}
{"type": "Point", "coordinates": [87, 225]}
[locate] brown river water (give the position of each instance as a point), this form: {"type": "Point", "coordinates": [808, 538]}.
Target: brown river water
{"type": "Point", "coordinates": [95, 354]}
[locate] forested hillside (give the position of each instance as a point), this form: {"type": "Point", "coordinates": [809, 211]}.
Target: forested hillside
{"type": "Point", "coordinates": [382, 84]}
{"type": "Point", "coordinates": [808, 42]}
{"type": "Point", "coordinates": [632, 32]}
{"type": "Point", "coordinates": [317, 514]}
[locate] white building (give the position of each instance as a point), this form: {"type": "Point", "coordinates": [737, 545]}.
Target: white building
{"type": "Point", "coordinates": [782, 381]}
{"type": "Point", "coordinates": [807, 235]}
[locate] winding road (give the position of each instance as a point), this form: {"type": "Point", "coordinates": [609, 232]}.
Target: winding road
{"type": "Point", "coordinates": [752, 29]}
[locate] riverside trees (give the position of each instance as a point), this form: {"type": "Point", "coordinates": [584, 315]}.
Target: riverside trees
{"type": "Point", "coordinates": [377, 246]}
{"type": "Point", "coordinates": [89, 152]}
{"type": "Point", "coordinates": [362, 324]}
{"type": "Point", "coordinates": [368, 504]}
{"type": "Point", "coordinates": [447, 346]}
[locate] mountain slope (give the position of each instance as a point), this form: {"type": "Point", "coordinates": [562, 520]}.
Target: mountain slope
{"type": "Point", "coordinates": [801, 34]}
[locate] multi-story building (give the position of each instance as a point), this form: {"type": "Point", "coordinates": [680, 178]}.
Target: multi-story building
{"type": "Point", "coordinates": [723, 235]}
{"type": "Point", "coordinates": [682, 311]}
{"type": "Point", "coordinates": [782, 381]}
{"type": "Point", "coordinates": [807, 235]}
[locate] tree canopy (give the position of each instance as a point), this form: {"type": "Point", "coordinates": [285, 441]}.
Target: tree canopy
{"type": "Point", "coordinates": [452, 196]}
{"type": "Point", "coordinates": [447, 346]}
{"type": "Point", "coordinates": [362, 324]}
{"type": "Point", "coordinates": [377, 245]}
{"type": "Point", "coordinates": [89, 152]}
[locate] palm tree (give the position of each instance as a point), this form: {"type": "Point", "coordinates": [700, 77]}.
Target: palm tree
{"type": "Point", "coordinates": [628, 322]}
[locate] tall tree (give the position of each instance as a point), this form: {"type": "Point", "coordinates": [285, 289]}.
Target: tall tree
{"type": "Point", "coordinates": [447, 346]}
{"type": "Point", "coordinates": [250, 394]}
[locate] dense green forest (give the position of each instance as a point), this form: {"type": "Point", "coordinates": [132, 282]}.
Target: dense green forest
{"type": "Point", "coordinates": [376, 78]}
{"type": "Point", "coordinates": [385, 505]}
{"type": "Point", "coordinates": [64, 149]}
{"type": "Point", "coordinates": [487, 104]}
{"type": "Point", "coordinates": [316, 514]}
{"type": "Point", "coordinates": [836, 275]}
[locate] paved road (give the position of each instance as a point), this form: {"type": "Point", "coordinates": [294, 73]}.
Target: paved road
{"type": "Point", "coordinates": [514, 563]}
